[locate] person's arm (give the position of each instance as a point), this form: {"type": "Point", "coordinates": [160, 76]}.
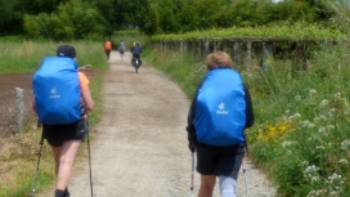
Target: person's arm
{"type": "Point", "coordinates": [86, 93]}
{"type": "Point", "coordinates": [249, 108]}
{"type": "Point", "coordinates": [190, 122]}
{"type": "Point", "coordinates": [87, 99]}
{"type": "Point", "coordinates": [191, 131]}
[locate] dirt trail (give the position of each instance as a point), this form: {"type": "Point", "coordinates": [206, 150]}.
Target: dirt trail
{"type": "Point", "coordinates": [141, 147]}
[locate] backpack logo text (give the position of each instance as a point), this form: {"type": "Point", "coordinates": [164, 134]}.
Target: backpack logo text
{"type": "Point", "coordinates": [221, 109]}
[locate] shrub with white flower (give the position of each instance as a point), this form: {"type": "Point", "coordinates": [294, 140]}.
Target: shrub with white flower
{"type": "Point", "coordinates": [311, 173]}
{"type": "Point", "coordinates": [324, 103]}
{"type": "Point", "coordinates": [335, 183]}
{"type": "Point", "coordinates": [345, 145]}
{"type": "Point", "coordinates": [294, 116]}
{"type": "Point", "coordinates": [334, 194]}
{"type": "Point", "coordinates": [347, 112]}
{"type": "Point", "coordinates": [297, 97]}
{"type": "Point", "coordinates": [330, 127]}
{"type": "Point", "coordinates": [317, 119]}
{"type": "Point", "coordinates": [317, 193]}
{"type": "Point", "coordinates": [304, 163]}
{"type": "Point", "coordinates": [286, 144]}
{"type": "Point", "coordinates": [320, 147]}
{"type": "Point", "coordinates": [323, 117]}
{"type": "Point", "coordinates": [335, 178]}
{"type": "Point", "coordinates": [312, 92]}
{"type": "Point", "coordinates": [343, 161]}
{"type": "Point", "coordinates": [337, 95]}
{"type": "Point", "coordinates": [322, 130]}
{"type": "Point", "coordinates": [308, 124]}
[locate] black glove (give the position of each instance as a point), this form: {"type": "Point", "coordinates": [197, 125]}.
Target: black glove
{"type": "Point", "coordinates": [192, 146]}
{"type": "Point", "coordinates": [191, 138]}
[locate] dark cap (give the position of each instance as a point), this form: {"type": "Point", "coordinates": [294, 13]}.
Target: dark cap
{"type": "Point", "coordinates": [66, 51]}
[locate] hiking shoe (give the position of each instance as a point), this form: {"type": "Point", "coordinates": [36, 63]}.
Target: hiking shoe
{"type": "Point", "coordinates": [66, 193]}
{"type": "Point", "coordinates": [59, 193]}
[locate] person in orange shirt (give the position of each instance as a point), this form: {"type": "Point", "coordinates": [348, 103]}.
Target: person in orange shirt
{"type": "Point", "coordinates": [108, 48]}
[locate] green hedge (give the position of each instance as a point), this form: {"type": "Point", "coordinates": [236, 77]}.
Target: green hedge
{"type": "Point", "coordinates": [283, 32]}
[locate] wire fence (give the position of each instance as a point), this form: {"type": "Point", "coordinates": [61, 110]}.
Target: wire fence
{"type": "Point", "coordinates": [15, 110]}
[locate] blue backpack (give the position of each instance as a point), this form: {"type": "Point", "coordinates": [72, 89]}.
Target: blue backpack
{"type": "Point", "coordinates": [220, 116]}
{"type": "Point", "coordinates": [56, 88]}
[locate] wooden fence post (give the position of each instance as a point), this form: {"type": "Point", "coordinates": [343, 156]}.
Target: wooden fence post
{"type": "Point", "coordinates": [20, 108]}
{"type": "Point", "coordinates": [215, 46]}
{"type": "Point", "coordinates": [249, 52]}
{"type": "Point", "coordinates": [162, 47]}
{"type": "Point", "coordinates": [207, 47]}
{"type": "Point", "coordinates": [236, 53]}
{"type": "Point", "coordinates": [266, 54]}
{"type": "Point", "coordinates": [198, 48]}
{"type": "Point", "coordinates": [182, 47]}
{"type": "Point", "coordinates": [301, 56]}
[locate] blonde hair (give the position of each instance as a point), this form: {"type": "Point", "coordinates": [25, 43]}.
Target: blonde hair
{"type": "Point", "coordinates": [219, 59]}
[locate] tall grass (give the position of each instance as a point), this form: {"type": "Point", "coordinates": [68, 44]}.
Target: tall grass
{"type": "Point", "coordinates": [25, 56]}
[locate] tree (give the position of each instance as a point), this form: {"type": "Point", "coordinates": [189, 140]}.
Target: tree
{"type": "Point", "coordinates": [12, 12]}
{"type": "Point", "coordinates": [121, 14]}
{"type": "Point", "coordinates": [72, 20]}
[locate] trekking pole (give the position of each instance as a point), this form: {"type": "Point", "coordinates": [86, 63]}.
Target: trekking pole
{"type": "Point", "coordinates": [89, 155]}
{"type": "Point", "coordinates": [36, 174]}
{"type": "Point", "coordinates": [192, 177]}
{"type": "Point", "coordinates": [244, 169]}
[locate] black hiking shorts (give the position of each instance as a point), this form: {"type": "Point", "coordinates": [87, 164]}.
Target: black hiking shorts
{"type": "Point", "coordinates": [56, 135]}
{"type": "Point", "coordinates": [219, 161]}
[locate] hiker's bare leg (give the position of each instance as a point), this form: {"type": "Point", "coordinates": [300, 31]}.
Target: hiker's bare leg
{"type": "Point", "coordinates": [207, 186]}
{"type": "Point", "coordinates": [69, 151]}
{"type": "Point", "coordinates": [56, 154]}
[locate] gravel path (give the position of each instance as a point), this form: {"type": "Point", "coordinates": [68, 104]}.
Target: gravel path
{"type": "Point", "coordinates": [140, 148]}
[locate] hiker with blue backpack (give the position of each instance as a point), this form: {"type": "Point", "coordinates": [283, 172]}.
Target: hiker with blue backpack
{"type": "Point", "coordinates": [62, 101]}
{"type": "Point", "coordinates": [220, 112]}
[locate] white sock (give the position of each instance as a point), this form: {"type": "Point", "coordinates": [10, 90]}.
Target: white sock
{"type": "Point", "coordinates": [227, 186]}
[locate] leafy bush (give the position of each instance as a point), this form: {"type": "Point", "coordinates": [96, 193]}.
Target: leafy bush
{"type": "Point", "coordinates": [72, 20]}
